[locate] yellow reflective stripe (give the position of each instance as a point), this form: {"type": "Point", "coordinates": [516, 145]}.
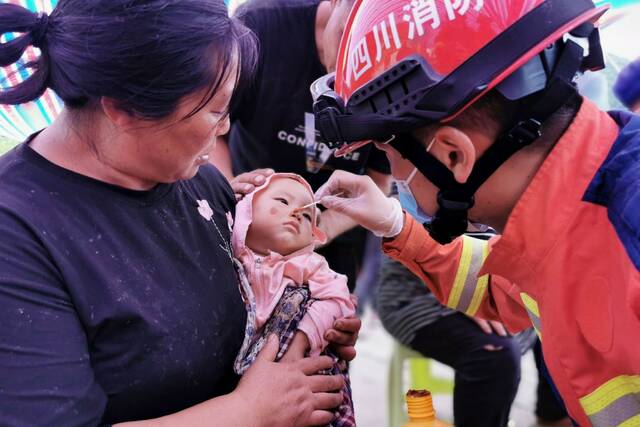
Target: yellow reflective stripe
{"type": "Point", "coordinates": [534, 313]}
{"type": "Point", "coordinates": [481, 287]}
{"type": "Point", "coordinates": [461, 274]}
{"type": "Point", "coordinates": [531, 304]}
{"type": "Point", "coordinates": [631, 422]}
{"type": "Point", "coordinates": [609, 392]}
{"type": "Point", "coordinates": [468, 290]}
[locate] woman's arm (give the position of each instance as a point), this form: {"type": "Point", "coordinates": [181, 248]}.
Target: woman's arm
{"type": "Point", "coordinates": [46, 377]}
{"type": "Point", "coordinates": [269, 395]}
{"type": "Point", "coordinates": [225, 410]}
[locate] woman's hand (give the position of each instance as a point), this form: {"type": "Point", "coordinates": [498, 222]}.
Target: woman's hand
{"type": "Point", "coordinates": [344, 334]}
{"type": "Point", "coordinates": [359, 198]}
{"type": "Point", "coordinates": [297, 349]}
{"type": "Point", "coordinates": [269, 395]}
{"type": "Point", "coordinates": [289, 394]}
{"type": "Point", "coordinates": [245, 183]}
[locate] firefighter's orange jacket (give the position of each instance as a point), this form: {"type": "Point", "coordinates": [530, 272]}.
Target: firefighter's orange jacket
{"type": "Point", "coordinates": [567, 263]}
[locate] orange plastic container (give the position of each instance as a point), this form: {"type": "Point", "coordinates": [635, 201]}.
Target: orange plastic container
{"type": "Point", "coordinates": [421, 412]}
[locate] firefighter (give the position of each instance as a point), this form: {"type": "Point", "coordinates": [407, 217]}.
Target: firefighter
{"type": "Point", "coordinates": [479, 96]}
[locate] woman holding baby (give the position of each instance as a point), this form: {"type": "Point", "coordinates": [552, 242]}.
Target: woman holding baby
{"type": "Point", "coordinates": [119, 295]}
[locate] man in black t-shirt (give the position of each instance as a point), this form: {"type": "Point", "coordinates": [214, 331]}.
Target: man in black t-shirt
{"type": "Point", "coordinates": [273, 124]}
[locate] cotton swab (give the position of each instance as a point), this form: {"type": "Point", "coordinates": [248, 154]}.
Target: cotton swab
{"type": "Point", "coordinates": [296, 210]}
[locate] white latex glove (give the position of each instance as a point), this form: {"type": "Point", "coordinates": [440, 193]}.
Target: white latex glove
{"type": "Point", "coordinates": [359, 198]}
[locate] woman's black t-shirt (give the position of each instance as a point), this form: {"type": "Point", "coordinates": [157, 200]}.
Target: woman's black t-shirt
{"type": "Point", "coordinates": [115, 304]}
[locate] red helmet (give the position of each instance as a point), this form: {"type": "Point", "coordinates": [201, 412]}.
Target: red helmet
{"type": "Point", "coordinates": [403, 64]}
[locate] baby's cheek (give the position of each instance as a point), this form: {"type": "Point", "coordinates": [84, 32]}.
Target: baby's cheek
{"type": "Point", "coordinates": [308, 235]}
{"type": "Point", "coordinates": [273, 211]}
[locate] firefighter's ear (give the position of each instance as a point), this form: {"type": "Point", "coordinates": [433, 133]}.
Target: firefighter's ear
{"type": "Point", "coordinates": [453, 148]}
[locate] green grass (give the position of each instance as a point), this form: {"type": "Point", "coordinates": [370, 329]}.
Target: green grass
{"type": "Point", "coordinates": [6, 145]}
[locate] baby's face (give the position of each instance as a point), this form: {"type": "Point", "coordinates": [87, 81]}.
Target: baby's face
{"type": "Point", "coordinates": [275, 226]}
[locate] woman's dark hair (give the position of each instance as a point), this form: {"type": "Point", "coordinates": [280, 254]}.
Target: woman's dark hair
{"type": "Point", "coordinates": [144, 54]}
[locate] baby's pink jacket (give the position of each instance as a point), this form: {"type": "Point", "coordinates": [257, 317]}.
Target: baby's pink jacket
{"type": "Point", "coordinates": [270, 275]}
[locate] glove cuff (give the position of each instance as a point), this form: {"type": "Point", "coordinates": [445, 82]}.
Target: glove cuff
{"type": "Point", "coordinates": [394, 222]}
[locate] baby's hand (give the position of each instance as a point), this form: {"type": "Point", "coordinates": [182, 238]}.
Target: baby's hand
{"type": "Point", "coordinates": [298, 348]}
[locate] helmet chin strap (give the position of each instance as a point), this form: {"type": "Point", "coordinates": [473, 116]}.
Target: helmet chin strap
{"type": "Point", "coordinates": [455, 199]}
{"type": "Point", "coordinates": [454, 202]}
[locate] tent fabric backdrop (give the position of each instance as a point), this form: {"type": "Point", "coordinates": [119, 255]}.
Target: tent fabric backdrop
{"type": "Point", "coordinates": [19, 121]}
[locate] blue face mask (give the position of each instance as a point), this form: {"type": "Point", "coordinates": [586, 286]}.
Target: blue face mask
{"type": "Point", "coordinates": [409, 202]}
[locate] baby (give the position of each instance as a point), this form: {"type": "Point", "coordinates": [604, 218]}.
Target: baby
{"type": "Point", "coordinates": [289, 289]}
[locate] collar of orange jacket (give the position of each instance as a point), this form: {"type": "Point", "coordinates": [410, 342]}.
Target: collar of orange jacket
{"type": "Point", "coordinates": [544, 211]}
